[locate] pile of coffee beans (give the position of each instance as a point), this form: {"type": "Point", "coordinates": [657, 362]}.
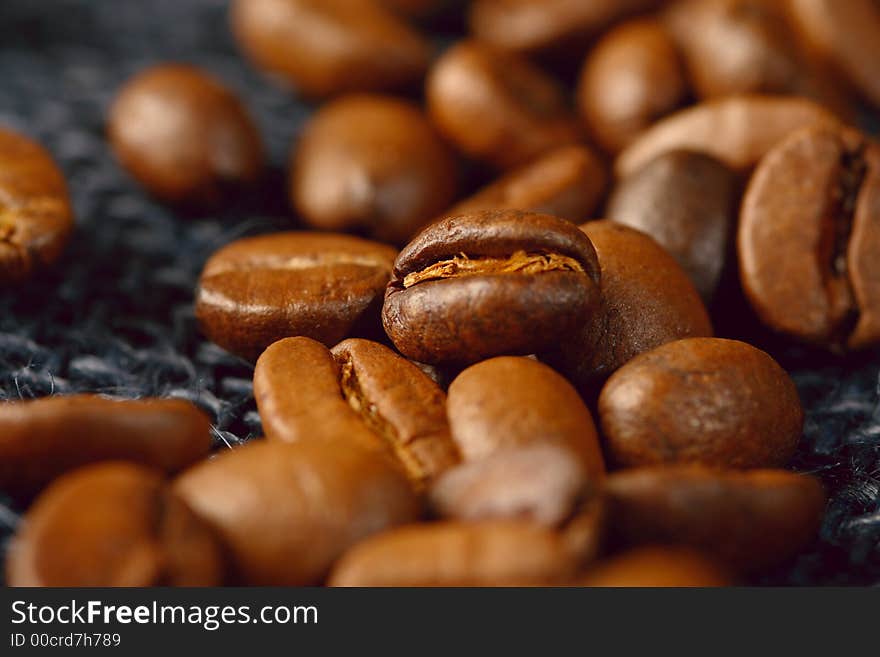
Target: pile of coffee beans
{"type": "Point", "coordinates": [507, 348]}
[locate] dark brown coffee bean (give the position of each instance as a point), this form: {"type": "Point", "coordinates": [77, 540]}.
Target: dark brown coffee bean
{"type": "Point", "coordinates": [809, 237]}
{"type": "Point", "coordinates": [326, 47]}
{"type": "Point", "coordinates": [36, 217]}
{"type": "Point", "coordinates": [420, 8]}
{"type": "Point", "coordinates": [631, 78]}
{"type": "Point", "coordinates": [184, 136]}
{"type": "Point", "coordinates": [361, 392]}
{"type": "Point", "coordinates": [509, 402]}
{"type": "Point", "coordinates": [701, 400]}
{"type": "Point", "coordinates": [44, 438]}
{"type": "Point", "coordinates": [373, 164]}
{"type": "Point", "coordinates": [658, 567]}
{"type": "Point", "coordinates": [646, 300]}
{"type": "Point", "coordinates": [567, 182]}
{"type": "Point", "coordinates": [490, 283]}
{"type": "Point", "coordinates": [113, 524]}
{"type": "Point", "coordinates": [286, 512]}
{"type": "Point", "coordinates": [498, 107]}
{"type": "Point", "coordinates": [496, 553]}
{"type": "Point", "coordinates": [688, 202]}
{"type": "Point", "coordinates": [748, 520]}
{"type": "Point", "coordinates": [738, 130]}
{"type": "Point", "coordinates": [258, 290]}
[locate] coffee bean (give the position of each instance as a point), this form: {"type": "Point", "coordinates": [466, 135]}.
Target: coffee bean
{"type": "Point", "coordinates": [646, 300]}
{"type": "Point", "coordinates": [631, 78]}
{"type": "Point", "coordinates": [809, 237]}
{"type": "Point", "coordinates": [184, 136]}
{"type": "Point", "coordinates": [687, 201]}
{"type": "Point", "coordinates": [497, 553]}
{"type": "Point", "coordinates": [701, 400]}
{"type": "Point", "coordinates": [490, 283]}
{"type": "Point", "coordinates": [749, 520]}
{"type": "Point", "coordinates": [738, 130]}
{"type": "Point", "coordinates": [286, 512]}
{"type": "Point", "coordinates": [36, 217]}
{"type": "Point", "coordinates": [420, 8]}
{"type": "Point", "coordinates": [44, 438]}
{"type": "Point", "coordinates": [567, 182]}
{"type": "Point", "coordinates": [509, 402]}
{"type": "Point", "coordinates": [387, 180]}
{"type": "Point", "coordinates": [361, 392]}
{"type": "Point", "coordinates": [498, 107]}
{"type": "Point", "coordinates": [657, 567]}
{"type": "Point", "coordinates": [113, 524]}
{"type": "Point", "coordinates": [327, 47]}
{"type": "Point", "coordinates": [260, 289]}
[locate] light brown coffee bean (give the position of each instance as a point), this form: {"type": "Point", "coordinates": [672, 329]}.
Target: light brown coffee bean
{"type": "Point", "coordinates": [184, 136]}
{"type": "Point", "coordinates": [326, 47]}
{"type": "Point", "coordinates": [36, 218]}
{"type": "Point", "coordinates": [286, 512]}
{"type": "Point", "coordinates": [44, 438]}
{"type": "Point", "coordinates": [258, 290]}
{"type": "Point", "coordinates": [372, 164]}
{"type": "Point", "coordinates": [658, 567]}
{"type": "Point", "coordinates": [701, 400]}
{"type": "Point", "coordinates": [113, 524]}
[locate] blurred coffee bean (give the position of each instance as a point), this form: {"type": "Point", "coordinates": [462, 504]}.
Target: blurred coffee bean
{"type": "Point", "coordinates": [657, 567]}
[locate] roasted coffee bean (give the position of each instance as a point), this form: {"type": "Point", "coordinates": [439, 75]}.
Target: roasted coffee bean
{"type": "Point", "coordinates": [44, 438]}
{"type": "Point", "coordinates": [498, 107]}
{"type": "Point", "coordinates": [184, 136]}
{"type": "Point", "coordinates": [532, 25]}
{"type": "Point", "coordinates": [809, 238]}
{"type": "Point", "coordinates": [509, 402]}
{"type": "Point", "coordinates": [260, 289]}
{"type": "Point", "coordinates": [326, 47]}
{"type": "Point", "coordinates": [490, 283]}
{"type": "Point", "coordinates": [738, 130]}
{"type": "Point", "coordinates": [646, 300]}
{"type": "Point", "coordinates": [419, 8]}
{"type": "Point", "coordinates": [372, 164]}
{"type": "Point", "coordinates": [701, 400]}
{"type": "Point", "coordinates": [847, 33]}
{"type": "Point", "coordinates": [497, 553]}
{"type": "Point", "coordinates": [567, 182]}
{"type": "Point", "coordinates": [658, 567]}
{"type": "Point", "coordinates": [687, 201]}
{"type": "Point", "coordinates": [362, 392]}
{"type": "Point", "coordinates": [113, 524]}
{"type": "Point", "coordinates": [36, 217]}
{"type": "Point", "coordinates": [749, 520]}
{"type": "Point", "coordinates": [631, 78]}
{"type": "Point", "coordinates": [286, 512]}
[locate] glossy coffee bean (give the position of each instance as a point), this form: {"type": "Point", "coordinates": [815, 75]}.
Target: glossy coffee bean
{"type": "Point", "coordinates": [287, 512]}
{"type": "Point", "coordinates": [36, 217]}
{"type": "Point", "coordinates": [809, 237]}
{"type": "Point", "coordinates": [701, 400]}
{"type": "Point", "coordinates": [497, 107]}
{"type": "Point", "coordinates": [658, 567]}
{"type": "Point", "coordinates": [490, 283]}
{"type": "Point", "coordinates": [632, 77]}
{"type": "Point", "coordinates": [567, 182]}
{"type": "Point", "coordinates": [44, 438]}
{"type": "Point", "coordinates": [738, 130]}
{"type": "Point", "coordinates": [646, 300]}
{"type": "Point", "coordinates": [326, 47]}
{"type": "Point", "coordinates": [511, 402]}
{"type": "Point", "coordinates": [497, 553]}
{"type": "Point", "coordinates": [113, 524]}
{"type": "Point", "coordinates": [360, 392]}
{"type": "Point", "coordinates": [260, 289]}
{"type": "Point", "coordinates": [372, 164]}
{"type": "Point", "coordinates": [748, 520]}
{"type": "Point", "coordinates": [688, 202]}
{"type": "Point", "coordinates": [184, 136]}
